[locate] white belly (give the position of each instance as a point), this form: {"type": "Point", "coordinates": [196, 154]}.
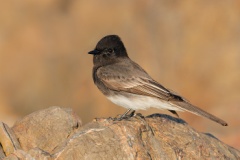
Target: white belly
{"type": "Point", "coordinates": [138, 102]}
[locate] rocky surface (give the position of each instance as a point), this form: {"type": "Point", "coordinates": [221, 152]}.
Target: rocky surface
{"type": "Point", "coordinates": [56, 133]}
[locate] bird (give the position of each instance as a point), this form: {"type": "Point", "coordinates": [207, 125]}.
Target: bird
{"type": "Point", "coordinates": [128, 85]}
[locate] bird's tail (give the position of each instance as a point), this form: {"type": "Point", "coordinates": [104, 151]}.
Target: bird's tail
{"type": "Point", "coordinates": [183, 105]}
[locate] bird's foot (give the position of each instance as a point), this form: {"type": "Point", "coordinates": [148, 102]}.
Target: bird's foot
{"type": "Point", "coordinates": [125, 115]}
{"type": "Point", "coordinates": [139, 115]}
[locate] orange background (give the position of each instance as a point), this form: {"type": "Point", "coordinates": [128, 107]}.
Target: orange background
{"type": "Point", "coordinates": [191, 47]}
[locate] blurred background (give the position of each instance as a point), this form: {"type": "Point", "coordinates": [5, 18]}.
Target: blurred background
{"type": "Point", "coordinates": [191, 47]}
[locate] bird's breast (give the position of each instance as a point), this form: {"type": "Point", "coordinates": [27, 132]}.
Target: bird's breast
{"type": "Point", "coordinates": [139, 102]}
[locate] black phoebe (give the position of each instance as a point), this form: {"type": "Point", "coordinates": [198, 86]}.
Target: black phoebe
{"type": "Point", "coordinates": [126, 84]}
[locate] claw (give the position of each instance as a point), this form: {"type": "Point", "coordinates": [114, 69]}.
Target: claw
{"type": "Point", "coordinates": [125, 115]}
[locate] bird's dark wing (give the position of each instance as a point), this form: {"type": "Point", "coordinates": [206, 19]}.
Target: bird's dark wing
{"type": "Point", "coordinates": [133, 79]}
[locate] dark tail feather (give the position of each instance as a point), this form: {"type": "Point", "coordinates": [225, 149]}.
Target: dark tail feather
{"type": "Point", "coordinates": [174, 112]}
{"type": "Point", "coordinates": [195, 110]}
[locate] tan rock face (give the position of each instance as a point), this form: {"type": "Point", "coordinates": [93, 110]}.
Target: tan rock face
{"type": "Point", "coordinates": [56, 133]}
{"type": "Point", "coordinates": [46, 129]}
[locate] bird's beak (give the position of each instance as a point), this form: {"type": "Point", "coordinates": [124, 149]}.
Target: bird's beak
{"type": "Point", "coordinates": [94, 52]}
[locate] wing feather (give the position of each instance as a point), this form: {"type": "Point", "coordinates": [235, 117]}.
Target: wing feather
{"type": "Point", "coordinates": [142, 85]}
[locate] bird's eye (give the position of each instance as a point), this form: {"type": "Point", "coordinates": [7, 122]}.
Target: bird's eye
{"type": "Point", "coordinates": [110, 50]}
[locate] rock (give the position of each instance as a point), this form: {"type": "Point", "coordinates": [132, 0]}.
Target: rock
{"type": "Point", "coordinates": [55, 134]}
{"type": "Point", "coordinates": [46, 129]}
{"type": "Point", "coordinates": [8, 140]}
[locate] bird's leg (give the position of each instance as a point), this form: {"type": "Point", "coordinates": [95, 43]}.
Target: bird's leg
{"type": "Point", "coordinates": [125, 115]}
{"type": "Point", "coordinates": [132, 113]}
